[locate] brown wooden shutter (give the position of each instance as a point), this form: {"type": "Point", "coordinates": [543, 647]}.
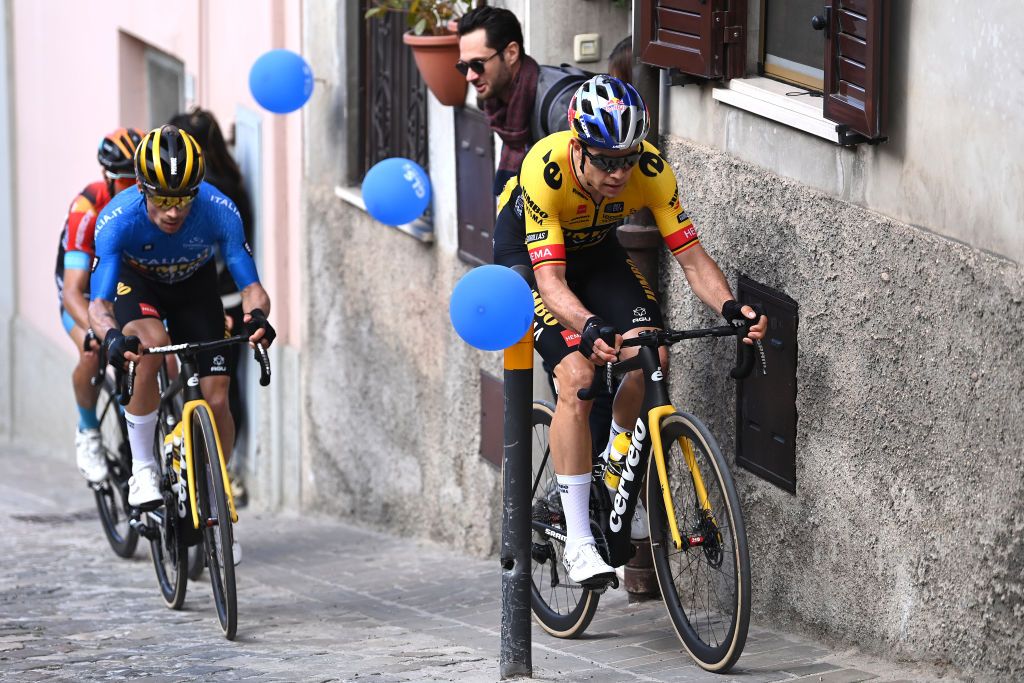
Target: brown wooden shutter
{"type": "Point", "coordinates": [856, 66]}
{"type": "Point", "coordinates": [474, 172]}
{"type": "Point", "coordinates": [704, 38]}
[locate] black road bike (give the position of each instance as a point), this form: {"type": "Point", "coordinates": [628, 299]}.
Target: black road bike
{"type": "Point", "coordinates": [197, 508]}
{"type": "Point", "coordinates": [697, 534]}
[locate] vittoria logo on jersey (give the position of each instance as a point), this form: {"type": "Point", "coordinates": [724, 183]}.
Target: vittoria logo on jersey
{"type": "Point", "coordinates": [614, 207]}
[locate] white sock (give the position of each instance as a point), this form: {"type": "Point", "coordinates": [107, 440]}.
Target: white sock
{"type": "Point", "coordinates": [141, 430]}
{"type": "Point", "coordinates": [575, 493]}
{"type": "Point", "coordinates": [612, 433]}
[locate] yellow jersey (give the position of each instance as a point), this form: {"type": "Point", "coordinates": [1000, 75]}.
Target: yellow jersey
{"type": "Point", "coordinates": [561, 217]}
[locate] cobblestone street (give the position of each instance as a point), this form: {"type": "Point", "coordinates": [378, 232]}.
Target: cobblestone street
{"type": "Point", "coordinates": [319, 600]}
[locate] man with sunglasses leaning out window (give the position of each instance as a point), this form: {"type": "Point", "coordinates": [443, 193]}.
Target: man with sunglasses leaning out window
{"type": "Point", "coordinates": [574, 188]}
{"type": "Point", "coordinates": [155, 263]}
{"type": "Point", "coordinates": [74, 259]}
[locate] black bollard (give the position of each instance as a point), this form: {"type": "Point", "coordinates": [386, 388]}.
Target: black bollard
{"type": "Point", "coordinates": [516, 659]}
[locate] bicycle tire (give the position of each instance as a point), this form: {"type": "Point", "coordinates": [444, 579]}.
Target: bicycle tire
{"type": "Point", "coordinates": [196, 562]}
{"type": "Point", "coordinates": [706, 588]}
{"type": "Point", "coordinates": [112, 493]}
{"type": "Point", "coordinates": [213, 505]}
{"type": "Point", "coordinates": [168, 548]}
{"type": "Point", "coordinates": [562, 609]}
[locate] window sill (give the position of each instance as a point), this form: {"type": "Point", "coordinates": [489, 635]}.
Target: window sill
{"type": "Point", "coordinates": [766, 97]}
{"type": "Point", "coordinates": [419, 229]}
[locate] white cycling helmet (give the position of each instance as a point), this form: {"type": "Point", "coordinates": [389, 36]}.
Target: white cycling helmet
{"type": "Point", "coordinates": [608, 113]}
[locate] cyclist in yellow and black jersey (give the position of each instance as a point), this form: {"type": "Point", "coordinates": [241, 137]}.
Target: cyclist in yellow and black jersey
{"type": "Point", "coordinates": [572, 220]}
{"type": "Point", "coordinates": [559, 216]}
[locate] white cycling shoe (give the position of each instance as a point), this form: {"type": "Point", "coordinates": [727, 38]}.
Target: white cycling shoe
{"type": "Point", "coordinates": [587, 568]}
{"type": "Point", "coordinates": [144, 489]}
{"type": "Point", "coordinates": [89, 455]}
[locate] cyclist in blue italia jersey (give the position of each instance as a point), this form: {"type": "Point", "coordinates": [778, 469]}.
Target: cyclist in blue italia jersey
{"type": "Point", "coordinates": [154, 280]}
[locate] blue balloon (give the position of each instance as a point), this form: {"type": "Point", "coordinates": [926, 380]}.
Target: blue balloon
{"type": "Point", "coordinates": [491, 307]}
{"type": "Point", "coordinates": [396, 191]}
{"type": "Point", "coordinates": [281, 81]}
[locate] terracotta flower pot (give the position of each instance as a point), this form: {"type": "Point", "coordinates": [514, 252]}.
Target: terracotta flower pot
{"type": "Point", "coordinates": [435, 58]}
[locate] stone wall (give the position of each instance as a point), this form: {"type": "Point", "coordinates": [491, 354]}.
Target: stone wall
{"type": "Point", "coordinates": [905, 533]}
{"type": "Point", "coordinates": [392, 416]}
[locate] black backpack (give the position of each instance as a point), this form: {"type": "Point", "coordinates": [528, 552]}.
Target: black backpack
{"type": "Point", "coordinates": [555, 87]}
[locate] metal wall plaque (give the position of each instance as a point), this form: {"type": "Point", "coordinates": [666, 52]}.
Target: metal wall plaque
{"type": "Point", "coordinates": [766, 404]}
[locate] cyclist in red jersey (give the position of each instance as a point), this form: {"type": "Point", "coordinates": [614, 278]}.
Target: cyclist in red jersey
{"type": "Point", "coordinates": [74, 261]}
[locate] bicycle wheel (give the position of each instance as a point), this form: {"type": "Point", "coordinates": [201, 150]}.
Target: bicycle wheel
{"type": "Point", "coordinates": [213, 509]}
{"type": "Point", "coordinates": [168, 549]}
{"type": "Point", "coordinates": [562, 608]}
{"type": "Point", "coordinates": [112, 493]}
{"type": "Point", "coordinates": [706, 584]}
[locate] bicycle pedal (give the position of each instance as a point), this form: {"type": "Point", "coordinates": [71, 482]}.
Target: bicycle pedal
{"type": "Point", "coordinates": [600, 583]}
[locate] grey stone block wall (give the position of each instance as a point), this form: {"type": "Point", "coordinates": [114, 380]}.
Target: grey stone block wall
{"type": "Point", "coordinates": [392, 417]}
{"type": "Point", "coordinates": [905, 533]}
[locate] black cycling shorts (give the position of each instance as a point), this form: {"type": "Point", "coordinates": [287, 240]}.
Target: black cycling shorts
{"type": "Point", "coordinates": [603, 277]}
{"type": "Point", "coordinates": [191, 309]}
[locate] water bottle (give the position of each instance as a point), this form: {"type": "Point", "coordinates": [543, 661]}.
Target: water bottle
{"type": "Point", "coordinates": [616, 456]}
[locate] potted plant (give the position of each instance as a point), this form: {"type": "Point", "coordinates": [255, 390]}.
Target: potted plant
{"type": "Point", "coordinates": [434, 43]}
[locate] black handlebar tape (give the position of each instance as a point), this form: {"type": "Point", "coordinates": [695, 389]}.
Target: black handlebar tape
{"type": "Point", "coordinates": [746, 362]}
{"type": "Point", "coordinates": [607, 334]}
{"type": "Point", "coordinates": [263, 359]}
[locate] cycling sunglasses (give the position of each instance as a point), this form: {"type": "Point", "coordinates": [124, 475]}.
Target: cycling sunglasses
{"type": "Point", "coordinates": [611, 164]}
{"type": "Point", "coordinates": [164, 202]}
{"type": "Point", "coordinates": [477, 65]}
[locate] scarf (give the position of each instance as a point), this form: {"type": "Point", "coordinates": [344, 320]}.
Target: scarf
{"type": "Point", "coordinates": [511, 120]}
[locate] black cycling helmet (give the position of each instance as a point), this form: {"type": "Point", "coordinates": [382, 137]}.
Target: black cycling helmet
{"type": "Point", "coordinates": [169, 162]}
{"type": "Point", "coordinates": [117, 152]}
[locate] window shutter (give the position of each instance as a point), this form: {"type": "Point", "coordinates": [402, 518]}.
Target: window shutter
{"type": "Point", "coordinates": [704, 38]}
{"type": "Point", "coordinates": [856, 66]}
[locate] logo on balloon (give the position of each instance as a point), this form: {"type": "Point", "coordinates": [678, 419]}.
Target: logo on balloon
{"type": "Point", "coordinates": [396, 191]}
{"type": "Point", "coordinates": [415, 178]}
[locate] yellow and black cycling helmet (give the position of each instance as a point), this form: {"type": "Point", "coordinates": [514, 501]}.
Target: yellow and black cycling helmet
{"type": "Point", "coordinates": [169, 162]}
{"type": "Point", "coordinates": [117, 152]}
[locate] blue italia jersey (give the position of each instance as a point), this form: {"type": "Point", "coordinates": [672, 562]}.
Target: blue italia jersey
{"type": "Point", "coordinates": [125, 233]}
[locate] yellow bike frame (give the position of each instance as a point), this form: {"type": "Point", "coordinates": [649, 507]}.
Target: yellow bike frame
{"type": "Point", "coordinates": [186, 420]}
{"type": "Point", "coordinates": [654, 418]}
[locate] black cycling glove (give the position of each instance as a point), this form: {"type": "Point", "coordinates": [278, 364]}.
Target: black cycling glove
{"type": "Point", "coordinates": [258, 321]}
{"type": "Point", "coordinates": [595, 329]}
{"type": "Point", "coordinates": [116, 345]}
{"type": "Point", "coordinates": [733, 314]}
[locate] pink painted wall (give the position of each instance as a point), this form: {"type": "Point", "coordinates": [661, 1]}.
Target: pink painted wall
{"type": "Point", "coordinates": [68, 90]}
